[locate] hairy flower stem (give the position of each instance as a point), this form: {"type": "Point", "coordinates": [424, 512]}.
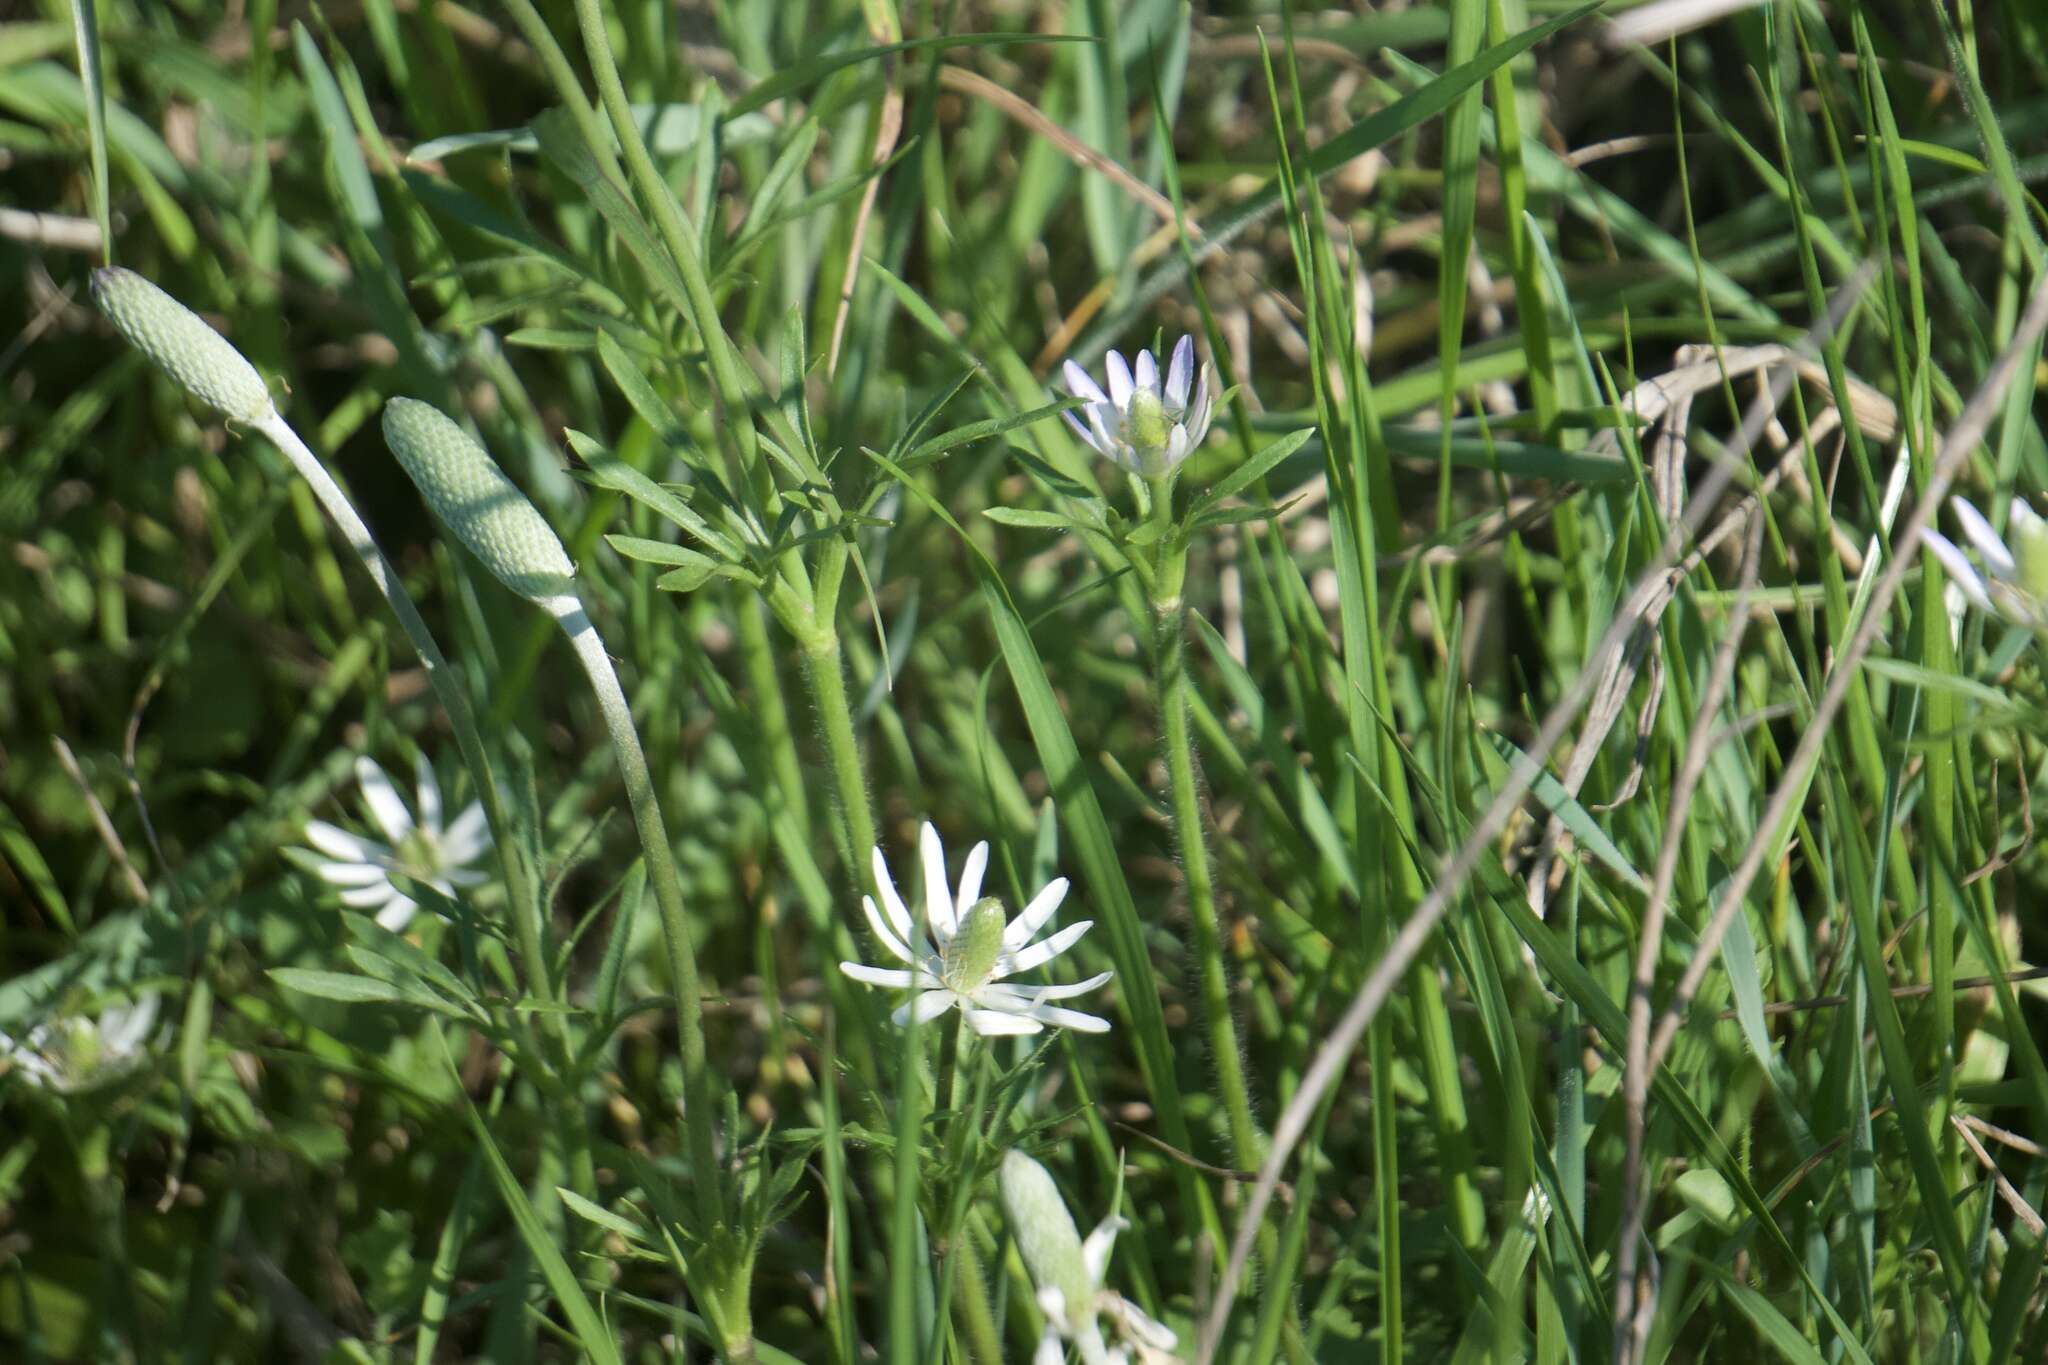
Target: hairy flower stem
{"type": "Point", "coordinates": [825, 665]}
{"type": "Point", "coordinates": [668, 888]}
{"type": "Point", "coordinates": [1170, 677]}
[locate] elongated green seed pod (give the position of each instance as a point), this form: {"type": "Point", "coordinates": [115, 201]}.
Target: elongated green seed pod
{"type": "Point", "coordinates": [182, 345]}
{"type": "Point", "coordinates": [484, 509]}
{"type": "Point", "coordinates": [1046, 1236]}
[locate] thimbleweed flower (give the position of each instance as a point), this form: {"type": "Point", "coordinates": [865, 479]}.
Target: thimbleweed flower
{"type": "Point", "coordinates": [971, 948]}
{"type": "Point", "coordinates": [484, 509]}
{"type": "Point", "coordinates": [72, 1054]}
{"type": "Point", "coordinates": [2017, 568]}
{"type": "Point", "coordinates": [419, 848]}
{"type": "Point", "coordinates": [1146, 427]}
{"type": "Point", "coordinates": [181, 344]}
{"type": "Point", "coordinates": [1069, 1274]}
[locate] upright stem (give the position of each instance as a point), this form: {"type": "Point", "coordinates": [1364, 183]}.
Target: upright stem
{"type": "Point", "coordinates": [771, 711]}
{"type": "Point", "coordinates": [526, 917]}
{"type": "Point", "coordinates": [827, 668]}
{"type": "Point", "coordinates": [1246, 1149]}
{"type": "Point", "coordinates": [668, 897]}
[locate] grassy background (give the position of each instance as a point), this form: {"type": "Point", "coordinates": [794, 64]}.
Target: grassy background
{"type": "Point", "coordinates": [1456, 295]}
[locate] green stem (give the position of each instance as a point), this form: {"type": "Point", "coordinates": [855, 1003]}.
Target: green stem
{"type": "Point", "coordinates": [668, 898]}
{"type": "Point", "coordinates": [826, 667]}
{"type": "Point", "coordinates": [771, 711]}
{"type": "Point", "coordinates": [1247, 1148]}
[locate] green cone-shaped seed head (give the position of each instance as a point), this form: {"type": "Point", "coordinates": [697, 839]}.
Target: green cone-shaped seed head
{"type": "Point", "coordinates": [1045, 1232]}
{"type": "Point", "coordinates": [484, 509]}
{"type": "Point", "coordinates": [181, 344]}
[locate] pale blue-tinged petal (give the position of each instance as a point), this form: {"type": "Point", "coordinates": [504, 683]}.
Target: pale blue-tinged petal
{"type": "Point", "coordinates": [1119, 380]}
{"type": "Point", "coordinates": [1180, 372]}
{"type": "Point", "coordinates": [1081, 385]}
{"type": "Point", "coordinates": [1147, 376]}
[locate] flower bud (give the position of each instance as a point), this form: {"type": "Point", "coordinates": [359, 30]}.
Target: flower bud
{"type": "Point", "coordinates": [2027, 533]}
{"type": "Point", "coordinates": [181, 344]}
{"type": "Point", "coordinates": [1045, 1233]}
{"type": "Point", "coordinates": [484, 509]}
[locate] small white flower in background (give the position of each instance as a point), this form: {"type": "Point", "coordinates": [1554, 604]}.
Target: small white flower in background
{"type": "Point", "coordinates": [1143, 426]}
{"type": "Point", "coordinates": [419, 848]}
{"type": "Point", "coordinates": [971, 948]}
{"type": "Point", "coordinates": [71, 1054]}
{"type": "Point", "coordinates": [2017, 568]}
{"type": "Point", "coordinates": [1069, 1275]}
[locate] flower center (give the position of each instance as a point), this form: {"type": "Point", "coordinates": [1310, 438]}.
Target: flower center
{"type": "Point", "coordinates": [1146, 423]}
{"type": "Point", "coordinates": [418, 856]}
{"type": "Point", "coordinates": [972, 954]}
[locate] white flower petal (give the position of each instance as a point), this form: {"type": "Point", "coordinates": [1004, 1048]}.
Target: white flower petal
{"type": "Point", "coordinates": [885, 932]}
{"type": "Point", "coordinates": [938, 900]}
{"type": "Point", "coordinates": [370, 897]}
{"type": "Point", "coordinates": [970, 879]}
{"type": "Point", "coordinates": [429, 791]}
{"type": "Point", "coordinates": [1002, 1023]}
{"type": "Point", "coordinates": [1073, 1019]}
{"type": "Point", "coordinates": [387, 807]}
{"type": "Point", "coordinates": [1146, 1329]}
{"type": "Point", "coordinates": [889, 977]}
{"type": "Point", "coordinates": [466, 838]}
{"type": "Point", "coordinates": [1087, 436]}
{"type": "Point", "coordinates": [899, 914]}
{"type": "Point", "coordinates": [1081, 385]}
{"type": "Point", "coordinates": [1049, 1350]}
{"type": "Point", "coordinates": [395, 916]}
{"type": "Point", "coordinates": [1096, 1248]}
{"type": "Point", "coordinates": [460, 876]}
{"type": "Point", "coordinates": [1147, 376]}
{"type": "Point", "coordinates": [928, 1006]}
{"type": "Point", "coordinates": [1176, 446]}
{"type": "Point", "coordinates": [1053, 1304]}
{"type": "Point", "coordinates": [337, 842]}
{"type": "Point", "coordinates": [1198, 422]}
{"type": "Point", "coordinates": [1955, 564]}
{"type": "Point", "coordinates": [351, 874]}
{"type": "Point", "coordinates": [1034, 994]}
{"type": "Point", "coordinates": [1038, 954]}
{"type": "Point", "coordinates": [1996, 557]}
{"type": "Point", "coordinates": [1179, 372]}
{"type": "Point", "coordinates": [1025, 927]}
{"type": "Point", "coordinates": [1119, 381]}
{"type": "Point", "coordinates": [124, 1027]}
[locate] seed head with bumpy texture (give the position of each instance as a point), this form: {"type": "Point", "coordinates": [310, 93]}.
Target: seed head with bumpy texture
{"type": "Point", "coordinates": [1046, 1236]}
{"type": "Point", "coordinates": [181, 344]}
{"type": "Point", "coordinates": [484, 509]}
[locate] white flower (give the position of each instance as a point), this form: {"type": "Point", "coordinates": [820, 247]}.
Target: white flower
{"type": "Point", "coordinates": [1069, 1275]}
{"type": "Point", "coordinates": [2017, 586]}
{"type": "Point", "coordinates": [971, 948]}
{"type": "Point", "coordinates": [1145, 428]}
{"type": "Point", "coordinates": [71, 1054]}
{"type": "Point", "coordinates": [419, 848]}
